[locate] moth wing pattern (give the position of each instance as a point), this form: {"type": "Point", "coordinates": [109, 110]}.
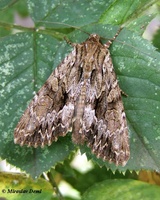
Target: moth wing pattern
{"type": "Point", "coordinates": [104, 125]}
{"type": "Point", "coordinates": [82, 95]}
{"type": "Point", "coordinates": [109, 137]}
{"type": "Point", "coordinates": [49, 112]}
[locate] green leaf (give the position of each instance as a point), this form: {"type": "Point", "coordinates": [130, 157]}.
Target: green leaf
{"type": "Point", "coordinates": [122, 189]}
{"type": "Point", "coordinates": [139, 24]}
{"type": "Point", "coordinates": [5, 3]}
{"type": "Point", "coordinates": [156, 41]}
{"type": "Point", "coordinates": [70, 12]}
{"type": "Point", "coordinates": [119, 13]}
{"type": "Point", "coordinates": [8, 15]}
{"type": "Point", "coordinates": [15, 186]}
{"type": "Point", "coordinates": [82, 181]}
{"type": "Point", "coordinates": [81, 13]}
{"type": "Point", "coordinates": [28, 58]}
{"type": "Point", "coordinates": [136, 63]}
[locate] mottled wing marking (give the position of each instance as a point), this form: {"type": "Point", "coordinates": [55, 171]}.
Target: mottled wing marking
{"type": "Point", "coordinates": [49, 114]}
{"type": "Point", "coordinates": [82, 95]}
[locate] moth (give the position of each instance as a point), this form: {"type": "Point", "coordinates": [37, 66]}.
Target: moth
{"type": "Point", "coordinates": [81, 95]}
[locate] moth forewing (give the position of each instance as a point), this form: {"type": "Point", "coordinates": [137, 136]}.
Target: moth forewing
{"type": "Point", "coordinates": [82, 94]}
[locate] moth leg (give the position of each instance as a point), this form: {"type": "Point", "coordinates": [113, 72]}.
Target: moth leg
{"type": "Point", "coordinates": [123, 93]}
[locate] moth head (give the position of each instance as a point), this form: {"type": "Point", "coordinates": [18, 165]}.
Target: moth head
{"type": "Point", "coordinates": [94, 37]}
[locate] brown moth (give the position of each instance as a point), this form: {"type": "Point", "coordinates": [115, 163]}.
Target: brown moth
{"type": "Point", "coordinates": [81, 95]}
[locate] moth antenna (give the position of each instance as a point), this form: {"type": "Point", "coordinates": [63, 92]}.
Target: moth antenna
{"type": "Point", "coordinates": [110, 41]}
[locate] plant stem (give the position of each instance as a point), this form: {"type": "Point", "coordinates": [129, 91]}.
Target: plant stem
{"type": "Point", "coordinates": [53, 183]}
